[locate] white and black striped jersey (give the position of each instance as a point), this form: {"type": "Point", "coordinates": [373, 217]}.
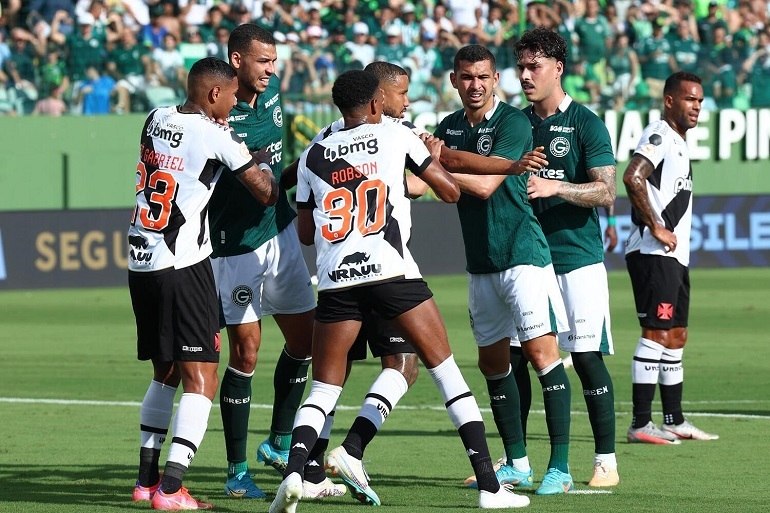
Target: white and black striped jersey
{"type": "Point", "coordinates": [338, 124]}
{"type": "Point", "coordinates": [181, 156]}
{"type": "Point", "coordinates": [669, 189]}
{"type": "Point", "coordinates": [353, 180]}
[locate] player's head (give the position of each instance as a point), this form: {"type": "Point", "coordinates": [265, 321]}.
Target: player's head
{"type": "Point", "coordinates": [394, 81]}
{"type": "Point", "coordinates": [252, 53]}
{"type": "Point", "coordinates": [357, 93]}
{"type": "Point", "coordinates": [541, 55]}
{"type": "Point", "coordinates": [475, 77]}
{"type": "Point", "coordinates": [212, 84]}
{"type": "Point", "coordinates": [682, 100]}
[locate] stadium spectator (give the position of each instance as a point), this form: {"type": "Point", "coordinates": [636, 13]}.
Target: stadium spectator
{"type": "Point", "coordinates": [194, 12]}
{"type": "Point", "coordinates": [360, 49]}
{"type": "Point", "coordinates": [756, 72]}
{"type": "Point", "coordinates": [214, 21]}
{"type": "Point", "coordinates": [96, 92]}
{"type": "Point", "coordinates": [218, 47]}
{"type": "Point", "coordinates": [686, 50]}
{"type": "Point", "coordinates": [623, 73]}
{"type": "Point", "coordinates": [438, 21]}
{"type": "Point", "coordinates": [656, 60]}
{"type": "Point", "coordinates": [410, 28]}
{"type": "Point", "coordinates": [52, 105]}
{"type": "Point", "coordinates": [708, 24]}
{"type": "Point", "coordinates": [393, 50]}
{"type": "Point", "coordinates": [153, 33]}
{"type": "Point", "coordinates": [426, 69]}
{"type": "Point", "coordinates": [168, 64]}
{"type": "Point", "coordinates": [20, 69]}
{"type": "Point", "coordinates": [130, 64]}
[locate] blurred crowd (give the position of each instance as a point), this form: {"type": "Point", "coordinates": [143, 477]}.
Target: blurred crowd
{"type": "Point", "coordinates": [96, 57]}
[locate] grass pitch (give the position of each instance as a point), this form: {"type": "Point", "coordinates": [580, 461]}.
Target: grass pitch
{"type": "Point", "coordinates": [70, 388]}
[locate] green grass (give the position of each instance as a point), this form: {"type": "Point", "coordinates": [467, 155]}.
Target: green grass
{"type": "Point", "coordinates": [81, 455]}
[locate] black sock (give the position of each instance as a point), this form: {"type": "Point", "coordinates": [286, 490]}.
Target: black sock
{"type": "Point", "coordinates": [148, 466]}
{"type": "Point", "coordinates": [172, 477]}
{"type": "Point", "coordinates": [360, 434]}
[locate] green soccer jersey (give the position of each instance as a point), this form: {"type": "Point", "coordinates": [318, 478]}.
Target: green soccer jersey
{"type": "Point", "coordinates": [240, 224]}
{"type": "Point", "coordinates": [575, 140]}
{"type": "Point", "coordinates": [502, 231]}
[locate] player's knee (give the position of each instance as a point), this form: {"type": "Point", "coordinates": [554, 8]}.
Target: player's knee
{"type": "Point", "coordinates": [411, 368]}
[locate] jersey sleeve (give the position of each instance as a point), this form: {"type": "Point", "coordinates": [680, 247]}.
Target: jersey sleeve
{"type": "Point", "coordinates": [304, 192]}
{"type": "Point", "coordinates": [417, 157]}
{"type": "Point", "coordinates": [513, 137]}
{"type": "Point", "coordinates": [597, 147]}
{"type": "Point", "coordinates": [229, 149]}
{"type": "Point", "coordinates": [654, 142]}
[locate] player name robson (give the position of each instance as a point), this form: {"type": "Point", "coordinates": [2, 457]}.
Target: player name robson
{"type": "Point", "coordinates": [353, 172]}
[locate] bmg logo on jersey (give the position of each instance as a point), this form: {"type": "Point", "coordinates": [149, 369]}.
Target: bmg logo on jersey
{"type": "Point", "coordinates": [332, 154]}
{"type": "Point", "coordinates": [167, 134]}
{"type": "Point", "coordinates": [357, 268]}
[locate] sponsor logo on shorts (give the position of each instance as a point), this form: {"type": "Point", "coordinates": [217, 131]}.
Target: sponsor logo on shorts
{"type": "Point", "coordinates": [573, 337]}
{"type": "Point", "coordinates": [665, 311]}
{"type": "Point", "coordinates": [522, 329]}
{"type": "Point", "coordinates": [242, 296]}
{"type": "Point", "coordinates": [396, 340]}
{"type": "Point", "coordinates": [192, 349]}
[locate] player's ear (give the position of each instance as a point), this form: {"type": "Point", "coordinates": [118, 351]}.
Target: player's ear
{"type": "Point", "coordinates": [214, 93]}
{"type": "Point", "coordinates": [453, 79]}
{"type": "Point", "coordinates": [235, 60]}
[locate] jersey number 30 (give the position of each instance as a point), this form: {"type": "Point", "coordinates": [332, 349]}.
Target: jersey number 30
{"type": "Point", "coordinates": [163, 186]}
{"type": "Point", "coordinates": [363, 210]}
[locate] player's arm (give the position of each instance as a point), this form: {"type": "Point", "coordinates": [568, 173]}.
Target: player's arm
{"type": "Point", "coordinates": [598, 192]}
{"type": "Point", "coordinates": [305, 226]}
{"type": "Point", "coordinates": [610, 234]}
{"type": "Point", "coordinates": [415, 187]}
{"type": "Point", "coordinates": [435, 176]}
{"type": "Point", "coordinates": [635, 180]}
{"type": "Point", "coordinates": [459, 161]}
{"type": "Point", "coordinates": [289, 175]}
{"type": "Point", "coordinates": [260, 182]}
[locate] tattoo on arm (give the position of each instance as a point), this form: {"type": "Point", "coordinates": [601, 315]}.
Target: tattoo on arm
{"type": "Point", "coordinates": [635, 180]}
{"type": "Point", "coordinates": [599, 192]}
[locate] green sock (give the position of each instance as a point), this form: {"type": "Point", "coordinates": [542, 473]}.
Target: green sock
{"type": "Point", "coordinates": [556, 397]}
{"type": "Point", "coordinates": [234, 403]}
{"type": "Point", "coordinates": [233, 468]}
{"type": "Point", "coordinates": [600, 398]}
{"type": "Point", "coordinates": [504, 400]}
{"type": "Point", "coordinates": [289, 382]}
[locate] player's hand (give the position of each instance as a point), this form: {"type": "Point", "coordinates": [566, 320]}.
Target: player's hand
{"type": "Point", "coordinates": [541, 187]}
{"type": "Point", "coordinates": [666, 237]}
{"type": "Point", "coordinates": [262, 156]}
{"type": "Point", "coordinates": [611, 238]}
{"type": "Point", "coordinates": [433, 144]}
{"type": "Point", "coordinates": [532, 161]}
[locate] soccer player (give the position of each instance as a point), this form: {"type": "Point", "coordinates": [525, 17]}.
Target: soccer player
{"type": "Point", "coordinates": [513, 296]}
{"type": "Point", "coordinates": [580, 176]}
{"type": "Point", "coordinates": [182, 154]}
{"type": "Point", "coordinates": [385, 340]}
{"type": "Point", "coordinates": [354, 208]}
{"type": "Point", "coordinates": [259, 270]}
{"type": "Point", "coordinates": [659, 184]}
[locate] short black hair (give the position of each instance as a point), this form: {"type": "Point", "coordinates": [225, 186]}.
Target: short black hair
{"type": "Point", "coordinates": [242, 36]}
{"type": "Point", "coordinates": [673, 81]}
{"type": "Point", "coordinates": [210, 67]}
{"type": "Point", "coordinates": [386, 71]}
{"type": "Point", "coordinates": [354, 88]}
{"type": "Point", "coordinates": [474, 53]}
{"type": "Point", "coordinates": [543, 41]}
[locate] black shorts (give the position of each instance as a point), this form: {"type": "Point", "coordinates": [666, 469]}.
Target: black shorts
{"type": "Point", "coordinates": [383, 337]}
{"type": "Point", "coordinates": [387, 299]}
{"type": "Point", "coordinates": [661, 290]}
{"type": "Point", "coordinates": [176, 314]}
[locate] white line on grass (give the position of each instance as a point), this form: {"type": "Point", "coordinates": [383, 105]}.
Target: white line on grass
{"type": "Point", "coordinates": [340, 407]}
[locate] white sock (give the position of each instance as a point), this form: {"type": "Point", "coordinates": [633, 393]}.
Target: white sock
{"type": "Point", "coordinates": [606, 460]}
{"type": "Point", "coordinates": [645, 367]}
{"type": "Point", "coordinates": [319, 403]}
{"type": "Point", "coordinates": [389, 387]}
{"type": "Point", "coordinates": [190, 423]}
{"type": "Point", "coordinates": [671, 368]}
{"type": "Point", "coordinates": [521, 464]}
{"type": "Point", "coordinates": [458, 399]}
{"type": "Point", "coordinates": [155, 414]}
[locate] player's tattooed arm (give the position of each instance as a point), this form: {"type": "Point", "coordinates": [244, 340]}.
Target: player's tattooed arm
{"type": "Point", "coordinates": [599, 192]}
{"type": "Point", "coordinates": [635, 180]}
{"type": "Point", "coordinates": [261, 183]}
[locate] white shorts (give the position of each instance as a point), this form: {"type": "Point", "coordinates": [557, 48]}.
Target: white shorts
{"type": "Point", "coordinates": [521, 303]}
{"type": "Point", "coordinates": [587, 300]}
{"type": "Point", "coordinates": [272, 279]}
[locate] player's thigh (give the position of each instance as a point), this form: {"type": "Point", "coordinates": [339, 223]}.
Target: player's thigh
{"type": "Point", "coordinates": [239, 280]}
{"type": "Point", "coordinates": [587, 301]}
{"type": "Point", "coordinates": [659, 284]}
{"type": "Point", "coordinates": [287, 288]}
{"type": "Point", "coordinates": [490, 316]}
